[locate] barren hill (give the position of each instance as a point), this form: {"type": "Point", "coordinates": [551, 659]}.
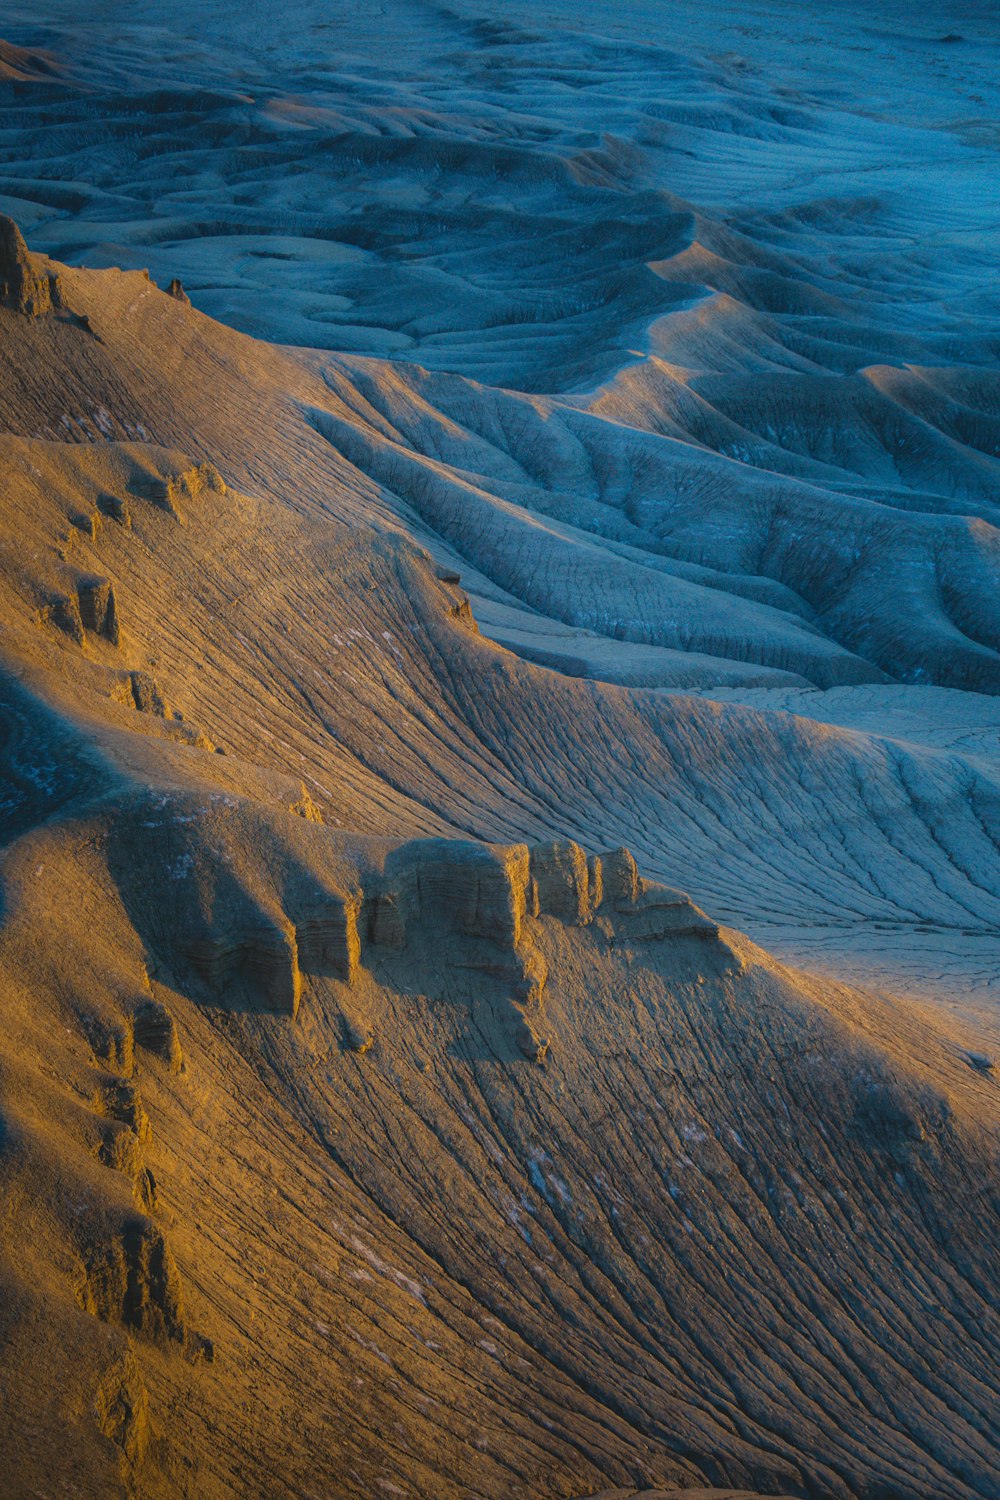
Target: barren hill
{"type": "Point", "coordinates": [499, 770]}
{"type": "Point", "coordinates": [362, 1131]}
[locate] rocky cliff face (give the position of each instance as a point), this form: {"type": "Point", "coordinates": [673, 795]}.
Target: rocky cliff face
{"type": "Point", "coordinates": [437, 916]}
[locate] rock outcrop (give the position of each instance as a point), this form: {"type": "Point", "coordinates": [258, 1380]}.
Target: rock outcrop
{"type": "Point", "coordinates": [99, 609]}
{"type": "Point", "coordinates": [327, 939]}
{"type": "Point", "coordinates": [659, 913]}
{"type": "Point", "coordinates": [253, 968]}
{"type": "Point", "coordinates": [23, 288]}
{"type": "Point", "coordinates": [154, 1030]}
{"type": "Point", "coordinates": [146, 695]}
{"type": "Point", "coordinates": [560, 882]}
{"type": "Point", "coordinates": [185, 486]}
{"type": "Point", "coordinates": [121, 1150]}
{"type": "Point", "coordinates": [63, 611]}
{"type": "Point", "coordinates": [619, 878]}
{"type": "Point", "coordinates": [452, 910]}
{"type": "Point", "coordinates": [91, 607]}
{"type": "Point", "coordinates": [129, 1277]}
{"type": "Point", "coordinates": [447, 909]}
{"type": "Point", "coordinates": [474, 890]}
{"type": "Point", "coordinates": [119, 1099]}
{"type": "Point", "coordinates": [121, 1411]}
{"type": "Point", "coordinates": [111, 1041]}
{"type": "Point", "coordinates": [115, 507]}
{"type": "Point", "coordinates": [444, 917]}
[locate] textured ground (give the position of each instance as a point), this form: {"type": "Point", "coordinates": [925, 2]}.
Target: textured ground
{"type": "Point", "coordinates": [693, 328]}
{"type": "Point", "coordinates": [633, 481]}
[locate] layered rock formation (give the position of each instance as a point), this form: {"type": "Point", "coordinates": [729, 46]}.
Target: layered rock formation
{"type": "Point", "coordinates": [440, 917]}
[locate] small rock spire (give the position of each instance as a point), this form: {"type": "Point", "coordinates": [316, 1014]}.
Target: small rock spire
{"type": "Point", "coordinates": [22, 287]}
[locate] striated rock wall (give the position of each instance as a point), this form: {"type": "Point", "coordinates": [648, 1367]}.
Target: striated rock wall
{"type": "Point", "coordinates": [450, 913]}
{"type": "Point", "coordinates": [257, 967]}
{"type": "Point", "coordinates": [560, 882]}
{"type": "Point", "coordinates": [121, 1411]}
{"type": "Point", "coordinates": [453, 919]}
{"type": "Point", "coordinates": [187, 485]}
{"type": "Point", "coordinates": [327, 939]}
{"type": "Point", "coordinates": [476, 889]}
{"type": "Point", "coordinates": [98, 608]}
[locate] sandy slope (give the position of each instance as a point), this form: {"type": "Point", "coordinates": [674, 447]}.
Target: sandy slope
{"type": "Point", "coordinates": [637, 487]}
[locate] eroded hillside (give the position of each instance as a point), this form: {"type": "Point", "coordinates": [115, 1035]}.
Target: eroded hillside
{"type": "Point", "coordinates": [371, 1122]}
{"type": "Point", "coordinates": [610, 514]}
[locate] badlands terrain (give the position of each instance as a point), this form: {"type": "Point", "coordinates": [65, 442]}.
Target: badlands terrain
{"type": "Point", "coordinates": [500, 751]}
